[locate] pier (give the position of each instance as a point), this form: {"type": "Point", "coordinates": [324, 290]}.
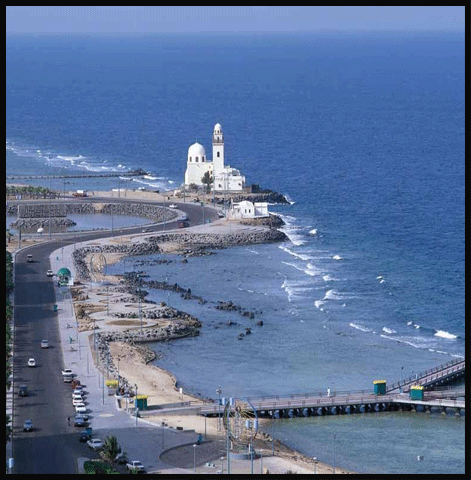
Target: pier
{"type": "Point", "coordinates": [397, 397]}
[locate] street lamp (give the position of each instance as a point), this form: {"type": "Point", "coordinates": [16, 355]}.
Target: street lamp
{"type": "Point", "coordinates": [136, 403]}
{"type": "Point", "coordinates": [139, 300]}
{"type": "Point", "coordinates": [315, 465]}
{"type": "Point", "coordinates": [335, 436]}
{"type": "Point", "coordinates": [219, 391]}
{"type": "Point", "coordinates": [194, 457]}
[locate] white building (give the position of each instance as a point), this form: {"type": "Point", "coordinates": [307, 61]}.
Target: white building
{"type": "Point", "coordinates": [247, 209]}
{"type": "Point", "coordinates": [224, 177]}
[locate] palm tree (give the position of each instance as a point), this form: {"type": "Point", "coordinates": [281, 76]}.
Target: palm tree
{"type": "Point", "coordinates": [111, 448]}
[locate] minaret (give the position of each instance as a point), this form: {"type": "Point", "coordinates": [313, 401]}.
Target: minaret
{"type": "Point", "coordinates": [218, 150]}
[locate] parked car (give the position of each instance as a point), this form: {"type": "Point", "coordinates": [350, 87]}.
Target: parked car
{"type": "Point", "coordinates": [77, 400]}
{"type": "Point", "coordinates": [182, 224]}
{"type": "Point", "coordinates": [75, 383]}
{"type": "Point", "coordinates": [22, 391]}
{"type": "Point", "coordinates": [44, 344]}
{"type": "Point", "coordinates": [85, 435]}
{"type": "Point", "coordinates": [135, 465]}
{"type": "Point", "coordinates": [78, 391]}
{"type": "Point", "coordinates": [172, 205]}
{"type": "Point", "coordinates": [28, 426]}
{"type": "Point", "coordinates": [67, 371]}
{"type": "Point", "coordinates": [31, 362]}
{"type": "Point", "coordinates": [79, 421]}
{"type": "Point", "coordinates": [121, 458]}
{"type": "Point", "coordinates": [80, 408]}
{"type": "Point", "coordinates": [95, 444]}
{"type": "Point", "coordinates": [50, 273]}
{"type": "Point", "coordinates": [29, 258]}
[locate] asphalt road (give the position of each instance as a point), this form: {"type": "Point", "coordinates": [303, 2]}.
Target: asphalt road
{"type": "Point", "coordinates": [53, 446]}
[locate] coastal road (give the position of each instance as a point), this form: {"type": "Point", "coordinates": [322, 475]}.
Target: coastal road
{"type": "Point", "coordinates": [53, 446]}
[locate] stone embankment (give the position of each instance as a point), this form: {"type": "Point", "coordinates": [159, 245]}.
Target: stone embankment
{"type": "Point", "coordinates": [189, 243]}
{"type": "Point", "coordinates": [43, 215]}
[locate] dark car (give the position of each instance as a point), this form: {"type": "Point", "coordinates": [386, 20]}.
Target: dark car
{"type": "Point", "coordinates": [79, 421]}
{"type": "Point", "coordinates": [22, 391]}
{"type": "Point", "coordinates": [182, 224]}
{"type": "Point", "coordinates": [28, 426]}
{"type": "Point", "coordinates": [84, 436]}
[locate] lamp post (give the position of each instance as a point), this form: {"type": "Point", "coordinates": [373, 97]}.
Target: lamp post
{"type": "Point", "coordinates": [194, 457]}
{"type": "Point", "coordinates": [136, 403]}
{"type": "Point", "coordinates": [335, 436]}
{"type": "Point", "coordinates": [139, 299]}
{"type": "Point", "coordinates": [219, 391]}
{"type": "Point", "coordinates": [315, 465]}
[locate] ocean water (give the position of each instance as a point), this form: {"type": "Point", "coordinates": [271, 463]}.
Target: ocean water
{"type": "Point", "coordinates": [365, 136]}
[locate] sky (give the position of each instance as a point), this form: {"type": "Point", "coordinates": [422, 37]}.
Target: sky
{"type": "Point", "coordinates": [220, 18]}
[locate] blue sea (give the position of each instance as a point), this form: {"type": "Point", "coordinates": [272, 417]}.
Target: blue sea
{"type": "Point", "coordinates": [363, 133]}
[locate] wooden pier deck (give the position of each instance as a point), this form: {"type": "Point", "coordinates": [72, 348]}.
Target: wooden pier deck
{"type": "Point", "coordinates": [396, 397]}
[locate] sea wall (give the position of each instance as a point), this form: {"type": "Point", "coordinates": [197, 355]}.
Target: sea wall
{"type": "Point", "coordinates": [189, 244]}
{"type": "Point", "coordinates": [42, 215]}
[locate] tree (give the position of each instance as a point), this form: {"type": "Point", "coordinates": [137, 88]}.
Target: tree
{"type": "Point", "coordinates": [111, 448]}
{"type": "Point", "coordinates": [207, 180]}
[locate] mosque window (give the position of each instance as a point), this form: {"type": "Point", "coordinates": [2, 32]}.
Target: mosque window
{"type": "Point", "coordinates": [196, 159]}
{"type": "Point", "coordinates": [202, 158]}
{"type": "Point", "coordinates": [217, 154]}
{"type": "Point", "coordinates": [190, 159]}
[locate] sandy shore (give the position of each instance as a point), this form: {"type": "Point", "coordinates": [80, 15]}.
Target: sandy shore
{"type": "Point", "coordinates": [160, 388]}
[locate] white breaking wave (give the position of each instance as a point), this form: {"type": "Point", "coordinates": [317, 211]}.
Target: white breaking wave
{"type": "Point", "coordinates": [443, 334]}
{"type": "Point", "coordinates": [362, 328]}
{"type": "Point", "coordinates": [332, 295]}
{"type": "Point", "coordinates": [313, 231]}
{"type": "Point", "coordinates": [328, 278]}
{"type": "Point", "coordinates": [294, 254]}
{"type": "Point", "coordinates": [388, 330]}
{"type": "Point", "coordinates": [318, 304]}
{"type": "Point", "coordinates": [337, 257]}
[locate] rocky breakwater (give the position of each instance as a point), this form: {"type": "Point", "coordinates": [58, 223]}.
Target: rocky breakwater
{"type": "Point", "coordinates": [217, 241]}
{"type": "Point", "coordinates": [82, 268]}
{"type": "Point", "coordinates": [183, 327]}
{"type": "Point", "coordinates": [45, 214]}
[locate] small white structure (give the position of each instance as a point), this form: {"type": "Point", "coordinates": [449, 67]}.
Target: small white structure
{"type": "Point", "coordinates": [247, 209]}
{"type": "Point", "coordinates": [225, 178]}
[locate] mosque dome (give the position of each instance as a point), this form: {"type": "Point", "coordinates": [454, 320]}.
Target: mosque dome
{"type": "Point", "coordinates": [196, 150]}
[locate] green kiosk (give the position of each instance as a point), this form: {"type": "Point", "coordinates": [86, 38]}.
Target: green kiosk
{"type": "Point", "coordinates": [379, 387]}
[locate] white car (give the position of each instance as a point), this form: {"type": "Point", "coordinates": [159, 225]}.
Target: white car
{"type": "Point", "coordinates": [95, 444]}
{"type": "Point", "coordinates": [172, 205]}
{"type": "Point", "coordinates": [67, 371]}
{"type": "Point", "coordinates": [31, 362]}
{"type": "Point", "coordinates": [78, 390]}
{"type": "Point", "coordinates": [77, 400]}
{"type": "Point", "coordinates": [80, 408]}
{"type": "Point", "coordinates": [135, 465]}
{"type": "Point", "coordinates": [44, 344]}
{"type": "Point", "coordinates": [50, 273]}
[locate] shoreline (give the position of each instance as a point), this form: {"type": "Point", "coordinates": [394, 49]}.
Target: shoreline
{"type": "Point", "coordinates": [160, 385]}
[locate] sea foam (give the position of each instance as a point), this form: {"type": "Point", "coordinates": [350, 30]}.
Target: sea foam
{"type": "Point", "coordinates": [443, 334]}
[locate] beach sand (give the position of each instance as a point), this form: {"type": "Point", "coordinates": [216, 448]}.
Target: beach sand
{"type": "Point", "coordinates": [160, 387]}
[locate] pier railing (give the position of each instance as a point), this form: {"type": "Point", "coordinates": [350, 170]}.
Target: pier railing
{"type": "Point", "coordinates": [453, 366]}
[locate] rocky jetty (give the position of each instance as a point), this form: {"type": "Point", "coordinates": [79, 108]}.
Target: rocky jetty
{"type": "Point", "coordinates": [34, 223]}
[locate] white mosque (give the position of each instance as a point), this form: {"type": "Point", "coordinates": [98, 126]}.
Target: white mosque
{"type": "Point", "coordinates": [226, 179]}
